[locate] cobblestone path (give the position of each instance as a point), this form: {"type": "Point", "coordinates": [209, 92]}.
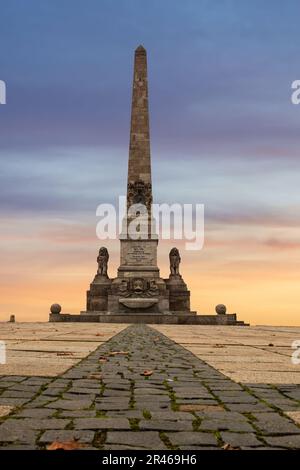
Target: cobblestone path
{"type": "Point", "coordinates": [106, 402]}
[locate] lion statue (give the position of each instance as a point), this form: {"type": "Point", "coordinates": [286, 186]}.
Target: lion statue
{"type": "Point", "coordinates": [175, 259]}
{"type": "Point", "coordinates": [102, 261]}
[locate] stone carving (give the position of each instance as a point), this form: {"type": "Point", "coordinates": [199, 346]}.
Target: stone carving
{"type": "Point", "coordinates": [102, 261]}
{"type": "Point", "coordinates": [138, 287]}
{"type": "Point", "coordinates": [139, 192]}
{"type": "Point", "coordinates": [55, 308]}
{"type": "Point", "coordinates": [221, 309]}
{"type": "Point", "coordinates": [175, 259]}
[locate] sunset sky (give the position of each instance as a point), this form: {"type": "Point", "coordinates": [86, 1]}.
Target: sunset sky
{"type": "Point", "coordinates": [223, 133]}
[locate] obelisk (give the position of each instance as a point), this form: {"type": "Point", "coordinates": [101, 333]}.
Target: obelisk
{"type": "Point", "coordinates": [139, 164]}
{"type": "Point", "coordinates": [139, 250]}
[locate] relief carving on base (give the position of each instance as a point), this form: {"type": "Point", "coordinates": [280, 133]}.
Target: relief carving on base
{"type": "Point", "coordinates": [138, 287]}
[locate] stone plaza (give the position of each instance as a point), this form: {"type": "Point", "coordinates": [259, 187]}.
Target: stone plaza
{"type": "Point", "coordinates": [172, 387]}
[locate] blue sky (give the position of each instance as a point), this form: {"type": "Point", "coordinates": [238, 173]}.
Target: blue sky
{"type": "Point", "coordinates": [223, 129]}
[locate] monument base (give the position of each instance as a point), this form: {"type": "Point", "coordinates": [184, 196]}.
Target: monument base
{"type": "Point", "coordinates": [155, 318]}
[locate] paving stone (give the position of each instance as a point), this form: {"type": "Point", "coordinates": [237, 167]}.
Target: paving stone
{"type": "Point", "coordinates": [129, 414]}
{"type": "Point", "coordinates": [250, 408]}
{"type": "Point", "coordinates": [114, 400]}
{"type": "Point", "coordinates": [197, 402]}
{"type": "Point", "coordinates": [17, 394]}
{"type": "Point", "coordinates": [172, 415]}
{"type": "Point", "coordinates": [111, 407]}
{"type": "Point", "coordinates": [20, 387]}
{"type": "Point", "coordinates": [46, 423]}
{"type": "Point", "coordinates": [77, 414]}
{"type": "Point", "coordinates": [17, 447]}
{"type": "Point", "coordinates": [70, 404]}
{"type": "Point", "coordinates": [221, 425]}
{"type": "Point", "coordinates": [35, 413]}
{"type": "Point", "coordinates": [289, 442]}
{"type": "Point", "coordinates": [222, 415]}
{"type": "Point", "coordinates": [192, 438]}
{"type": "Point", "coordinates": [133, 439]}
{"type": "Point", "coordinates": [239, 399]}
{"type": "Point", "coordinates": [240, 440]}
{"type": "Point", "coordinates": [67, 435]}
{"type": "Point", "coordinates": [12, 431]}
{"type": "Point", "coordinates": [116, 393]}
{"type": "Point", "coordinates": [145, 391]}
{"type": "Point", "coordinates": [284, 404]}
{"type": "Point", "coordinates": [13, 401]}
{"type": "Point", "coordinates": [273, 423]}
{"type": "Point", "coordinates": [85, 391]}
{"type": "Point", "coordinates": [12, 378]}
{"type": "Point", "coordinates": [59, 383]}
{"type": "Point", "coordinates": [152, 405]}
{"type": "Point", "coordinates": [6, 383]}
{"type": "Point", "coordinates": [40, 401]}
{"type": "Point", "coordinates": [76, 396]}
{"type": "Point", "coordinates": [37, 381]}
{"type": "Point", "coordinates": [164, 425]}
{"type": "Point", "coordinates": [52, 392]}
{"type": "Point", "coordinates": [102, 423]}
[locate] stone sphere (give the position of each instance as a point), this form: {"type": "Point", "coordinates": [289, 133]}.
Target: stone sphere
{"type": "Point", "coordinates": [55, 308]}
{"type": "Point", "coordinates": [221, 309]}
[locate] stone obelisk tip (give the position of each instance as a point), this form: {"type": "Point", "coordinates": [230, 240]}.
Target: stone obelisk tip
{"type": "Point", "coordinates": [140, 50]}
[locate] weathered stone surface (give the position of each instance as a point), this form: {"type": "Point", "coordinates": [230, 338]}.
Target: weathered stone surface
{"type": "Point", "coordinates": [45, 423]}
{"type": "Point", "coordinates": [163, 425]}
{"type": "Point", "coordinates": [273, 423]}
{"type": "Point", "coordinates": [13, 431]}
{"type": "Point", "coordinates": [68, 435]}
{"type": "Point", "coordinates": [35, 413]}
{"type": "Point", "coordinates": [230, 425]}
{"type": "Point", "coordinates": [241, 440]}
{"type": "Point", "coordinates": [192, 439]}
{"type": "Point", "coordinates": [142, 439]}
{"type": "Point", "coordinates": [102, 423]}
{"type": "Point", "coordinates": [78, 414]}
{"type": "Point", "coordinates": [288, 442]}
{"type": "Point", "coordinates": [70, 404]}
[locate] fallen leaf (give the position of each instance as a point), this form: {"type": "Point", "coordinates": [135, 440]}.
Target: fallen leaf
{"type": "Point", "coordinates": [67, 445]}
{"type": "Point", "coordinates": [230, 447]}
{"type": "Point", "coordinates": [147, 373]}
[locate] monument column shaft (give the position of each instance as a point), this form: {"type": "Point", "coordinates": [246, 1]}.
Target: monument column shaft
{"type": "Point", "coordinates": [139, 256]}
{"type": "Point", "coordinates": [139, 162]}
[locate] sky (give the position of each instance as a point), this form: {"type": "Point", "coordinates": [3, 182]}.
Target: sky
{"type": "Point", "coordinates": [224, 133]}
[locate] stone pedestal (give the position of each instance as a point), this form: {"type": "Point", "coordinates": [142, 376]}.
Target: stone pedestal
{"type": "Point", "coordinates": [179, 295]}
{"type": "Point", "coordinates": [97, 296]}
